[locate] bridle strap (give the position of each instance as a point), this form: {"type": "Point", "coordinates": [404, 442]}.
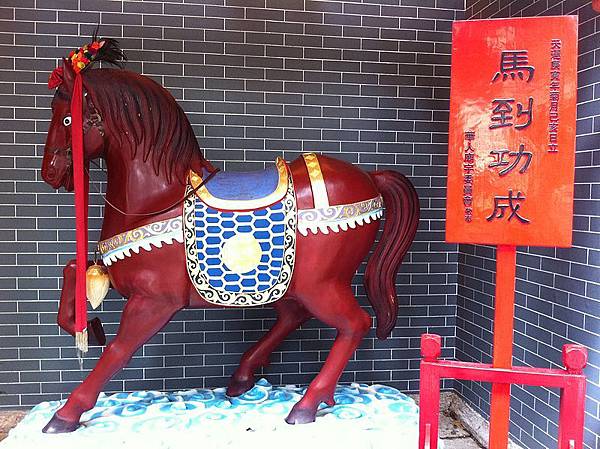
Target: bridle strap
{"type": "Point", "coordinates": [94, 120]}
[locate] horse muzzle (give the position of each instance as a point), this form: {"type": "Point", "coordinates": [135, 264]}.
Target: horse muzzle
{"type": "Point", "coordinates": [57, 169]}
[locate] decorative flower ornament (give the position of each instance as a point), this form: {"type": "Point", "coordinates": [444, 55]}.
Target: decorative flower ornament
{"type": "Point", "coordinates": [103, 49]}
{"type": "Point", "coordinates": [81, 57]}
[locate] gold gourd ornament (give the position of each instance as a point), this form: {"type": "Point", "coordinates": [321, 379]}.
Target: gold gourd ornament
{"type": "Point", "coordinates": [97, 284]}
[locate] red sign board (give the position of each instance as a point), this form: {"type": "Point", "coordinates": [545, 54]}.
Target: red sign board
{"type": "Point", "coordinates": [511, 151]}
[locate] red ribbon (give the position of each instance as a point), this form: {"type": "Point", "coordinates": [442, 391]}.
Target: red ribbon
{"type": "Point", "coordinates": [81, 197]}
{"type": "Point", "coordinates": [56, 78]}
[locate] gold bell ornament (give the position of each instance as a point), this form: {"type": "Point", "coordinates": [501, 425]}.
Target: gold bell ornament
{"type": "Point", "coordinates": [97, 284]}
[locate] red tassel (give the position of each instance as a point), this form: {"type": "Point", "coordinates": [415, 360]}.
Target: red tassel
{"type": "Point", "coordinates": [81, 231]}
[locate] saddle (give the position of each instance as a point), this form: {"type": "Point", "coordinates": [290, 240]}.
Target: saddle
{"type": "Point", "coordinates": [239, 234]}
{"type": "Point", "coordinates": [243, 191]}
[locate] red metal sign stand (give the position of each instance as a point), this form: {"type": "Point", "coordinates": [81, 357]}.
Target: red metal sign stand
{"type": "Point", "coordinates": [504, 308]}
{"type": "Point", "coordinates": [502, 374]}
{"type": "Point", "coordinates": [570, 381]}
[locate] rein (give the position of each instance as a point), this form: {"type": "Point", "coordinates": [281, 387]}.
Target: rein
{"type": "Point", "coordinates": [158, 212]}
{"type": "Point", "coordinates": [81, 176]}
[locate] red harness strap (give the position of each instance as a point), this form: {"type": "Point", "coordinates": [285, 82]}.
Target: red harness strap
{"type": "Point", "coordinates": [81, 185]}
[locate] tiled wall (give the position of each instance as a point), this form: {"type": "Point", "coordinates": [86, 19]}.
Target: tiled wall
{"type": "Point", "coordinates": [558, 290]}
{"type": "Point", "coordinates": [364, 81]}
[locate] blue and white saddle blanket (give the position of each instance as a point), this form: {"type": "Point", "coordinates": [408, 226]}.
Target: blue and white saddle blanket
{"type": "Point", "coordinates": [240, 236]}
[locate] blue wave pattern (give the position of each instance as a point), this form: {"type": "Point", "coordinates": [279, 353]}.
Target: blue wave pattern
{"type": "Point", "coordinates": [210, 415]}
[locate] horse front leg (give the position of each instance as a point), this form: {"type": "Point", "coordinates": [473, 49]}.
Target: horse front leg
{"type": "Point", "coordinates": [290, 315]}
{"type": "Point", "coordinates": [66, 308]}
{"type": "Point", "coordinates": [335, 306]}
{"type": "Point", "coordinates": [142, 318]}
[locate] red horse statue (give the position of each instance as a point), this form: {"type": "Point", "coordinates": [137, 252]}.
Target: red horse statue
{"type": "Point", "coordinates": [176, 234]}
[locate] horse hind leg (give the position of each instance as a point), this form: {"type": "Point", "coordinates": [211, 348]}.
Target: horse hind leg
{"type": "Point", "coordinates": [290, 315]}
{"type": "Point", "coordinates": [335, 306]}
{"type": "Point", "coordinates": [141, 319]}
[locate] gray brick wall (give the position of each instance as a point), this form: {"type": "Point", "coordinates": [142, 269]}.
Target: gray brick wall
{"type": "Point", "coordinates": [364, 81]}
{"type": "Point", "coordinates": [558, 290]}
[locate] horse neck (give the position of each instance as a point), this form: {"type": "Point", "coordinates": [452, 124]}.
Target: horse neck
{"type": "Point", "coordinates": [135, 188]}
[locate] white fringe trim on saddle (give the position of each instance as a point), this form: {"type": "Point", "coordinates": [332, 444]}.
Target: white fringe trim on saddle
{"type": "Point", "coordinates": [341, 217]}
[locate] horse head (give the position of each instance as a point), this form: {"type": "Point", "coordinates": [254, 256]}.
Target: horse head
{"type": "Point", "coordinates": [57, 164]}
{"type": "Point", "coordinates": [125, 116]}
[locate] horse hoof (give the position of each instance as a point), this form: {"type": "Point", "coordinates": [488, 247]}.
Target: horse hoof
{"type": "Point", "coordinates": [239, 387]}
{"type": "Point", "coordinates": [59, 425]}
{"type": "Point", "coordinates": [96, 334]}
{"type": "Point", "coordinates": [301, 416]}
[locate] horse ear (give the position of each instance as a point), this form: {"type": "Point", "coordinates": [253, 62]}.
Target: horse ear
{"type": "Point", "coordinates": [68, 74]}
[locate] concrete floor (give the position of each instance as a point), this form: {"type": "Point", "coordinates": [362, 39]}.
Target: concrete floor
{"type": "Point", "coordinates": [8, 420]}
{"type": "Point", "coordinates": [454, 435]}
{"type": "Point", "coordinates": [452, 432]}
{"type": "Point", "coordinates": [461, 443]}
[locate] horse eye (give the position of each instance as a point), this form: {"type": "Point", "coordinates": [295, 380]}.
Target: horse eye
{"type": "Point", "coordinates": [67, 120]}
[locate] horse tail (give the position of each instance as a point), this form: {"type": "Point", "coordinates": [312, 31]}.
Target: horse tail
{"type": "Point", "coordinates": [401, 220]}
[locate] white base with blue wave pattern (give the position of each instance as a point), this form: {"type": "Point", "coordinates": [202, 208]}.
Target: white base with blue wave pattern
{"type": "Point", "coordinates": [364, 416]}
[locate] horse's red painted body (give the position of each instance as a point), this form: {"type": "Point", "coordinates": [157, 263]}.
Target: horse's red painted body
{"type": "Point", "coordinates": [147, 173]}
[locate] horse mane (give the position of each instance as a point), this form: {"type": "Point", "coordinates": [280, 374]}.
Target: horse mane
{"type": "Point", "coordinates": [140, 113]}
